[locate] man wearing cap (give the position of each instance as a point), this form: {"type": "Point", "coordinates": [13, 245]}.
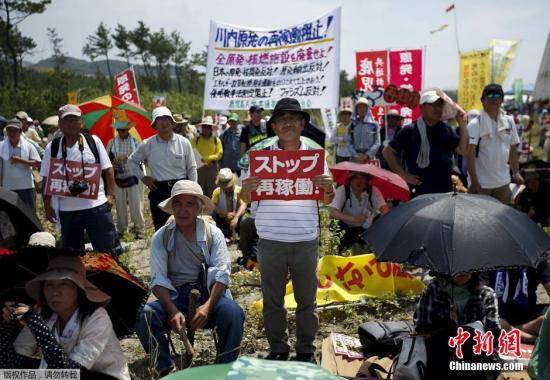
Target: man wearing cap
{"type": "Point", "coordinates": [289, 241]}
{"type": "Point", "coordinates": [29, 131]}
{"type": "Point", "coordinates": [211, 151]}
{"type": "Point", "coordinates": [180, 253]}
{"type": "Point", "coordinates": [169, 157]}
{"type": "Point", "coordinates": [128, 189]}
{"type": "Point", "coordinates": [427, 146]}
{"type": "Point", "coordinates": [181, 124]}
{"type": "Point", "coordinates": [393, 123]}
{"type": "Point", "coordinates": [252, 133]}
{"type": "Point", "coordinates": [229, 206]}
{"type": "Point", "coordinates": [341, 139]}
{"type": "Point", "coordinates": [231, 145]}
{"type": "Point", "coordinates": [364, 134]}
{"type": "Point", "coordinates": [79, 215]}
{"type": "Point", "coordinates": [18, 157]}
{"type": "Point", "coordinates": [492, 149]}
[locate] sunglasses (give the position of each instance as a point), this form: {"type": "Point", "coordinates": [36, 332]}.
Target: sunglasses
{"type": "Point", "coordinates": [493, 96]}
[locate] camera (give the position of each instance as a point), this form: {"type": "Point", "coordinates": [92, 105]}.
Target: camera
{"type": "Point", "coordinates": [78, 187]}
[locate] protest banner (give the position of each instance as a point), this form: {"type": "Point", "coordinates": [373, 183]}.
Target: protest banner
{"type": "Point", "coordinates": [287, 174]}
{"type": "Point", "coordinates": [158, 100]}
{"type": "Point", "coordinates": [406, 72]}
{"type": "Point", "coordinates": [62, 175]}
{"type": "Point", "coordinates": [348, 279]}
{"type": "Point", "coordinates": [72, 97]}
{"type": "Point", "coordinates": [503, 53]}
{"type": "Point", "coordinates": [247, 66]}
{"type": "Point", "coordinates": [126, 87]}
{"type": "Point", "coordinates": [372, 75]}
{"type": "Point", "coordinates": [474, 74]}
{"type": "Point", "coordinates": [330, 119]}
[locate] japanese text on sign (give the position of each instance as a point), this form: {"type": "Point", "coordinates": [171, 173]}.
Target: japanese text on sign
{"type": "Point", "coordinates": [287, 174]}
{"type": "Point", "coordinates": [57, 182]}
{"type": "Point", "coordinates": [251, 66]}
{"type": "Point", "coordinates": [125, 86]}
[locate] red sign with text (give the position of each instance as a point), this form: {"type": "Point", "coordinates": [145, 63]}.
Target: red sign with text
{"type": "Point", "coordinates": [57, 181]}
{"type": "Point", "coordinates": [372, 72]}
{"type": "Point", "coordinates": [125, 86]}
{"type": "Point", "coordinates": [287, 174]}
{"type": "Point", "coordinates": [406, 72]}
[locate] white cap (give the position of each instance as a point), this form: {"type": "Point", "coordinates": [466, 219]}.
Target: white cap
{"type": "Point", "coordinates": [159, 112]}
{"type": "Point", "coordinates": [222, 120]}
{"type": "Point", "coordinates": [429, 97]}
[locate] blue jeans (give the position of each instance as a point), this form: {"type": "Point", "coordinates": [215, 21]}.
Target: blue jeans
{"type": "Point", "coordinates": [227, 318]}
{"type": "Point", "coordinates": [97, 222]}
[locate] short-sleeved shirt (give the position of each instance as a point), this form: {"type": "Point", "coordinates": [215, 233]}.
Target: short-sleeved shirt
{"type": "Point", "coordinates": [443, 140]}
{"type": "Point", "coordinates": [74, 154]}
{"type": "Point", "coordinates": [18, 176]}
{"type": "Point", "coordinates": [231, 149]}
{"type": "Point", "coordinates": [231, 201]}
{"type": "Point", "coordinates": [97, 347]}
{"type": "Point", "coordinates": [251, 135]}
{"type": "Point", "coordinates": [491, 163]}
{"type": "Point", "coordinates": [184, 265]}
{"type": "Point", "coordinates": [367, 204]}
{"type": "Point", "coordinates": [118, 147]}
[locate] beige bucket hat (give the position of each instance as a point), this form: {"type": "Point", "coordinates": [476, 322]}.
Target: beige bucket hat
{"type": "Point", "coordinates": [186, 187]}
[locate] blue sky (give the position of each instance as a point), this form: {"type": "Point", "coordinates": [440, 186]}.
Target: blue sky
{"type": "Point", "coordinates": [366, 25]}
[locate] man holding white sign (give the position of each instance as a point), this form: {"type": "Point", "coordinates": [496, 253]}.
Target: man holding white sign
{"type": "Point", "coordinates": [288, 242]}
{"type": "Point", "coordinates": [79, 178]}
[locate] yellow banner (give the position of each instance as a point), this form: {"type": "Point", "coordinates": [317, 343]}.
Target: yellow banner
{"type": "Point", "coordinates": [72, 97]}
{"type": "Point", "coordinates": [474, 74]}
{"type": "Point", "coordinates": [348, 279]}
{"type": "Point", "coordinates": [503, 53]}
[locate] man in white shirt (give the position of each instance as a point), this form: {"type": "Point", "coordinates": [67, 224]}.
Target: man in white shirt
{"type": "Point", "coordinates": [169, 156]}
{"type": "Point", "coordinates": [18, 158]}
{"type": "Point", "coordinates": [492, 149]}
{"type": "Point", "coordinates": [78, 215]}
{"type": "Point", "coordinates": [289, 242]}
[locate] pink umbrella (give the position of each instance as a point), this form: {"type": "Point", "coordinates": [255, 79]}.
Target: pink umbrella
{"type": "Point", "coordinates": [390, 184]}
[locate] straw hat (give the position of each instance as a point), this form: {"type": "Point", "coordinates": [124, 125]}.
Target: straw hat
{"type": "Point", "coordinates": [186, 187]}
{"type": "Point", "coordinates": [65, 267]}
{"type": "Point", "coordinates": [226, 178]}
{"type": "Point", "coordinates": [207, 120]}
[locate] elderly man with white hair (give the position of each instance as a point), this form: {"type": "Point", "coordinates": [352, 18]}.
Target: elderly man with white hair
{"type": "Point", "coordinates": [186, 254]}
{"type": "Point", "coordinates": [170, 158]}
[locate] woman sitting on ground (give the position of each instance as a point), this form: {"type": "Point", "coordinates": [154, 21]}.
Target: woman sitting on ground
{"type": "Point", "coordinates": [356, 205]}
{"type": "Point", "coordinates": [446, 304]}
{"type": "Point", "coordinates": [69, 330]}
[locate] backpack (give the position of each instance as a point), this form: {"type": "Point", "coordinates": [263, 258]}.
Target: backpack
{"type": "Point", "coordinates": [347, 188]}
{"type": "Point", "coordinates": [384, 338]}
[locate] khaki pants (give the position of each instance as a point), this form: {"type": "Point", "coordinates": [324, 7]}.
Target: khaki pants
{"type": "Point", "coordinates": [276, 260]}
{"type": "Point", "coordinates": [132, 196]}
{"type": "Point", "coordinates": [502, 194]}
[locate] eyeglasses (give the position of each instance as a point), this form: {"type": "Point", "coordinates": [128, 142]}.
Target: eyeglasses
{"type": "Point", "coordinates": [493, 96]}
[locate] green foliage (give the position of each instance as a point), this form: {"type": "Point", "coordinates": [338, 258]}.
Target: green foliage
{"type": "Point", "coordinates": [58, 55]}
{"type": "Point", "coordinates": [121, 38]}
{"type": "Point", "coordinates": [347, 86]}
{"type": "Point", "coordinates": [99, 44]}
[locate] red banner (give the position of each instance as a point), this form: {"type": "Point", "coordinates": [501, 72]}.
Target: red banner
{"type": "Point", "coordinates": [287, 174]}
{"type": "Point", "coordinates": [126, 87]}
{"type": "Point", "coordinates": [406, 72]}
{"type": "Point", "coordinates": [57, 182]}
{"type": "Point", "coordinates": [372, 72]}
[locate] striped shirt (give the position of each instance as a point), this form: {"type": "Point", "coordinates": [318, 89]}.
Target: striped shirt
{"type": "Point", "coordinates": [287, 221]}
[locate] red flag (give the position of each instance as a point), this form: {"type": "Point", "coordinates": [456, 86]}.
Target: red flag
{"type": "Point", "coordinates": [450, 8]}
{"type": "Point", "coordinates": [126, 87]}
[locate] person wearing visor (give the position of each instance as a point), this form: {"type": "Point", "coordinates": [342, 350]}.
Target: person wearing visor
{"type": "Point", "coordinates": [427, 146]}
{"type": "Point", "coordinates": [169, 157]}
{"type": "Point", "coordinates": [492, 149]}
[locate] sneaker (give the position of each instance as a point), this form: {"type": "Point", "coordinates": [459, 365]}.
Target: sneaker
{"type": "Point", "coordinates": [307, 358]}
{"type": "Point", "coordinates": [282, 356]}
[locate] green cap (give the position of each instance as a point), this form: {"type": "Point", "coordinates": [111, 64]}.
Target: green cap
{"type": "Point", "coordinates": [122, 125]}
{"type": "Point", "coordinates": [233, 117]}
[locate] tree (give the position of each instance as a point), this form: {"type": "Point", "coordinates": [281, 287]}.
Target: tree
{"type": "Point", "coordinates": [59, 57]}
{"type": "Point", "coordinates": [347, 86]}
{"type": "Point", "coordinates": [121, 37]}
{"type": "Point", "coordinates": [161, 49]}
{"type": "Point", "coordinates": [179, 58]}
{"type": "Point", "coordinates": [139, 37]}
{"type": "Point", "coordinates": [14, 12]}
{"type": "Point", "coordinates": [99, 44]}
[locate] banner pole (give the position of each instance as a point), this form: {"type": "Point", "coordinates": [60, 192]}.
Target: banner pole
{"type": "Point", "coordinates": [456, 31]}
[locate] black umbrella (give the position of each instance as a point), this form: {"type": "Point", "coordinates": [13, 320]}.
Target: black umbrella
{"type": "Point", "coordinates": [457, 233]}
{"type": "Point", "coordinates": [23, 220]}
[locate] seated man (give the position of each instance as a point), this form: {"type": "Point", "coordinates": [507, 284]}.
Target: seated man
{"type": "Point", "coordinates": [355, 205]}
{"type": "Point", "coordinates": [534, 199]}
{"type": "Point", "coordinates": [229, 208]}
{"type": "Point", "coordinates": [516, 290]}
{"type": "Point", "coordinates": [189, 253]}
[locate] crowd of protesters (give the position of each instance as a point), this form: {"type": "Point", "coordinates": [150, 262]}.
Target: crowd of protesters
{"type": "Point", "coordinates": [200, 200]}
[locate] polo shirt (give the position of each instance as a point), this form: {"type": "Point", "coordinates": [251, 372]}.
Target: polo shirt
{"type": "Point", "coordinates": [443, 140]}
{"type": "Point", "coordinates": [18, 176]}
